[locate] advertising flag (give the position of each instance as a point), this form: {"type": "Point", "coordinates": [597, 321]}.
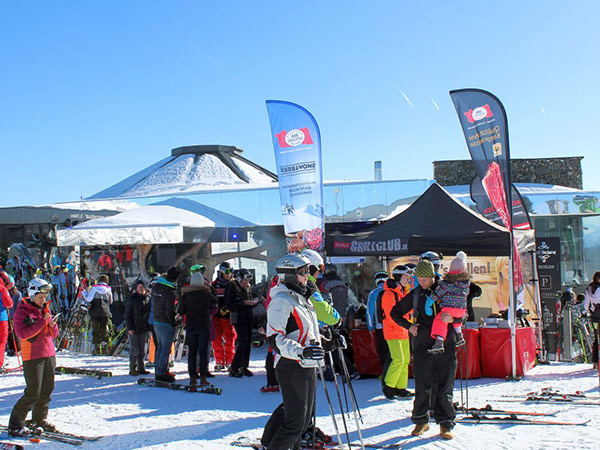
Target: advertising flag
{"type": "Point", "coordinates": [483, 120]}
{"type": "Point", "coordinates": [297, 144]}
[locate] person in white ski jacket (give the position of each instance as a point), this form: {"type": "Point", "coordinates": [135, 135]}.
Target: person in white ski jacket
{"type": "Point", "coordinates": [98, 300]}
{"type": "Point", "coordinates": [293, 332]}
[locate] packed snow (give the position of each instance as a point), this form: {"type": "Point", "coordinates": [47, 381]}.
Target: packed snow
{"type": "Point", "coordinates": [134, 417]}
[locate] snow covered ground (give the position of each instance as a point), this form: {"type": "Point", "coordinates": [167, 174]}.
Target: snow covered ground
{"type": "Point", "coordinates": [130, 416]}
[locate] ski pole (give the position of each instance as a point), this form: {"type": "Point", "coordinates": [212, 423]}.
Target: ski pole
{"type": "Point", "coordinates": [460, 371]}
{"type": "Point", "coordinates": [466, 350]}
{"type": "Point", "coordinates": [335, 426]}
{"type": "Point", "coordinates": [350, 387]}
{"type": "Point", "coordinates": [355, 409]}
{"type": "Point", "coordinates": [337, 388]}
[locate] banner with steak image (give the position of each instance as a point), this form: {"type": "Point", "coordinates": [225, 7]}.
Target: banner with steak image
{"type": "Point", "coordinates": [483, 120]}
{"type": "Point", "coordinates": [297, 144]}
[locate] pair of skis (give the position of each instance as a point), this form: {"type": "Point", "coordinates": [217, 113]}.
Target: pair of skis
{"type": "Point", "coordinates": [491, 415]}
{"type": "Point", "coordinates": [151, 382]}
{"type": "Point", "coordinates": [256, 445]}
{"type": "Point", "coordinates": [88, 372]}
{"type": "Point", "coordinates": [65, 438]}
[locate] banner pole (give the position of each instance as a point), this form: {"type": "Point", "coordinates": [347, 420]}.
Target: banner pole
{"type": "Point", "coordinates": [511, 310]}
{"type": "Point", "coordinates": [538, 303]}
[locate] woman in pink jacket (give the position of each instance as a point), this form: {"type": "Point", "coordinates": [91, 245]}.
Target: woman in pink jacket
{"type": "Point", "coordinates": [35, 327]}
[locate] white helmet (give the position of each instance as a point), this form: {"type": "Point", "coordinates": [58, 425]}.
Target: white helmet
{"type": "Point", "coordinates": [38, 286]}
{"type": "Point", "coordinates": [314, 257]}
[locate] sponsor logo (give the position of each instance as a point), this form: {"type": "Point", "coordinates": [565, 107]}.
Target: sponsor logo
{"type": "Point", "coordinates": [294, 138]}
{"type": "Point", "coordinates": [337, 244]}
{"type": "Point", "coordinates": [308, 166]}
{"type": "Point", "coordinates": [497, 149]}
{"type": "Point", "coordinates": [389, 245]}
{"type": "Point", "coordinates": [481, 112]}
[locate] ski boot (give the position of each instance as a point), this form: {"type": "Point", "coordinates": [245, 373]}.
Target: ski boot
{"type": "Point", "coordinates": [460, 340]}
{"type": "Point", "coordinates": [19, 431]}
{"type": "Point", "coordinates": [41, 426]}
{"type": "Point", "coordinates": [437, 348]}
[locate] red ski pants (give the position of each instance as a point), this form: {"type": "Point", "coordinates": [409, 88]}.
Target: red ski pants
{"type": "Point", "coordinates": [224, 343]}
{"type": "Point", "coordinates": [440, 328]}
{"type": "Point", "coordinates": [3, 340]}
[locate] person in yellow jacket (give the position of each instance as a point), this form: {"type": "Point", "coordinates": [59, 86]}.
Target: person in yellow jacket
{"type": "Point", "coordinates": [396, 376]}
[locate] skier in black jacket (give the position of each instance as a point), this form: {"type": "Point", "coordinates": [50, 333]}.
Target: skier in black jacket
{"type": "Point", "coordinates": [137, 312]}
{"type": "Point", "coordinates": [429, 369]}
{"type": "Point", "coordinates": [240, 302]}
{"type": "Point", "coordinates": [198, 305]}
{"type": "Point", "coordinates": [163, 299]}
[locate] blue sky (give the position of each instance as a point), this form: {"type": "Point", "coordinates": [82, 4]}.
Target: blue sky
{"type": "Point", "coordinates": [93, 91]}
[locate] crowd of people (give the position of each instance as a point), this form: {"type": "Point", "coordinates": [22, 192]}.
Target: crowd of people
{"type": "Point", "coordinates": [413, 311]}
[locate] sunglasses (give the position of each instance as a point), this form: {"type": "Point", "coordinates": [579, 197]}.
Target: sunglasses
{"type": "Point", "coordinates": [302, 271]}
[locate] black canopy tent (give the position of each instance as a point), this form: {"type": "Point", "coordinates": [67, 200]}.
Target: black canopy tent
{"type": "Point", "coordinates": [435, 221]}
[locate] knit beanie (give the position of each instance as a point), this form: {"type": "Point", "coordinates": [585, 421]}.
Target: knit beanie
{"type": "Point", "coordinates": [197, 279]}
{"type": "Point", "coordinates": [172, 274]}
{"type": "Point", "coordinates": [459, 264]}
{"type": "Point", "coordinates": [425, 269]}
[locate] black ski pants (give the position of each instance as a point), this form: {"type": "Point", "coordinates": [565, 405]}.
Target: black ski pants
{"type": "Point", "coordinates": [243, 346]}
{"type": "Point", "coordinates": [383, 350]}
{"type": "Point", "coordinates": [270, 367]}
{"type": "Point", "coordinates": [290, 419]}
{"type": "Point", "coordinates": [39, 380]}
{"type": "Point", "coordinates": [197, 341]}
{"type": "Point", "coordinates": [99, 330]}
{"type": "Point", "coordinates": [429, 370]}
{"type": "Point", "coordinates": [137, 348]}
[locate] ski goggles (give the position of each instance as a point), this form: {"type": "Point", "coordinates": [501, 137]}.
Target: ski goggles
{"type": "Point", "coordinates": [402, 270]}
{"type": "Point", "coordinates": [248, 276]}
{"type": "Point", "coordinates": [227, 271]}
{"type": "Point", "coordinates": [302, 271]}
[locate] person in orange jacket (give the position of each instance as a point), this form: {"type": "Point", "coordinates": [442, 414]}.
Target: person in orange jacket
{"type": "Point", "coordinates": [396, 376]}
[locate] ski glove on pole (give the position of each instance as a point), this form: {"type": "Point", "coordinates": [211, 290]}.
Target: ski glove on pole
{"type": "Point", "coordinates": [313, 352]}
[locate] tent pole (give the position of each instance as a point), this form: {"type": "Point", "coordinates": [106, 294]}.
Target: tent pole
{"type": "Point", "coordinates": [511, 309]}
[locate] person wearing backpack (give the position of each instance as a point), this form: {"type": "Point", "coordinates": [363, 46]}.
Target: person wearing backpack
{"type": "Point", "coordinates": [375, 319]}
{"type": "Point", "coordinates": [396, 336]}
{"type": "Point", "coordinates": [98, 300]}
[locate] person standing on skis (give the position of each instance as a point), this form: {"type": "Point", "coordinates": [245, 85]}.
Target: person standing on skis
{"type": "Point", "coordinates": [293, 332]}
{"type": "Point", "coordinates": [36, 328]}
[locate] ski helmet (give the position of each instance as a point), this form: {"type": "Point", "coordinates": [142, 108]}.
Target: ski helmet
{"type": "Point", "coordinates": [225, 267]}
{"type": "Point", "coordinates": [329, 268]}
{"type": "Point", "coordinates": [244, 274]}
{"type": "Point", "coordinates": [401, 270]}
{"type": "Point", "coordinates": [289, 265]}
{"type": "Point", "coordinates": [316, 260]}
{"type": "Point", "coordinates": [197, 268]}
{"type": "Point", "coordinates": [435, 258]}
{"type": "Point", "coordinates": [38, 286]}
{"type": "Point", "coordinates": [380, 277]}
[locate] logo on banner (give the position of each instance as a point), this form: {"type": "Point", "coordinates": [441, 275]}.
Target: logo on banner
{"type": "Point", "coordinates": [497, 149]}
{"type": "Point", "coordinates": [344, 245]}
{"type": "Point", "coordinates": [294, 138]}
{"type": "Point", "coordinates": [479, 113]}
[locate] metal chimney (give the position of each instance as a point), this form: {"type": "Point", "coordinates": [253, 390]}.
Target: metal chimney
{"type": "Point", "coordinates": [378, 170]}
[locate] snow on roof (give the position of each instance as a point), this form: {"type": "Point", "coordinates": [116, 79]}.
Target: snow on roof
{"type": "Point", "coordinates": [193, 169]}
{"type": "Point", "coordinates": [171, 212]}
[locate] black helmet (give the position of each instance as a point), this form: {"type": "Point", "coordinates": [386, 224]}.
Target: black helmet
{"type": "Point", "coordinates": [330, 268]}
{"type": "Point", "coordinates": [225, 267]}
{"type": "Point", "coordinates": [244, 274]}
{"type": "Point", "coordinates": [380, 277]}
